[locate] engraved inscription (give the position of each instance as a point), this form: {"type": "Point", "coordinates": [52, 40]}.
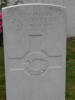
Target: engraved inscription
{"type": "Point", "coordinates": [34, 35]}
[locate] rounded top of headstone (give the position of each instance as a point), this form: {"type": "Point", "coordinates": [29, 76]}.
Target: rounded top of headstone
{"type": "Point", "coordinates": [36, 4]}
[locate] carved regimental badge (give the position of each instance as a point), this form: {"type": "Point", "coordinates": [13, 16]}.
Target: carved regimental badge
{"type": "Point", "coordinates": [36, 64]}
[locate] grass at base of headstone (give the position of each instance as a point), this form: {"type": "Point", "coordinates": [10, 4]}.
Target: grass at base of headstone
{"type": "Point", "coordinates": [2, 76]}
{"type": "Point", "coordinates": [70, 69]}
{"type": "Point", "coordinates": [70, 72]}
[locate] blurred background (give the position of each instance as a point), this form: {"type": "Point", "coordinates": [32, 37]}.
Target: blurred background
{"type": "Point", "coordinates": [70, 61]}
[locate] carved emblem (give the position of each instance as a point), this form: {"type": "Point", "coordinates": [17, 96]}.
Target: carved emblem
{"type": "Point", "coordinates": [36, 64]}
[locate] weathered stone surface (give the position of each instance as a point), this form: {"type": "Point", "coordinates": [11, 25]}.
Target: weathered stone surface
{"type": "Point", "coordinates": [35, 51]}
{"type": "Point", "coordinates": [70, 4]}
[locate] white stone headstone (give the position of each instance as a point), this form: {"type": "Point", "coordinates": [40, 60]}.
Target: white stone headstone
{"type": "Point", "coordinates": [35, 51]}
{"type": "Point", "coordinates": [70, 4]}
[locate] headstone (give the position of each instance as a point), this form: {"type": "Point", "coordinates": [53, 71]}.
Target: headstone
{"type": "Point", "coordinates": [56, 2]}
{"type": "Point", "coordinates": [35, 51]}
{"type": "Point", "coordinates": [70, 4]}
